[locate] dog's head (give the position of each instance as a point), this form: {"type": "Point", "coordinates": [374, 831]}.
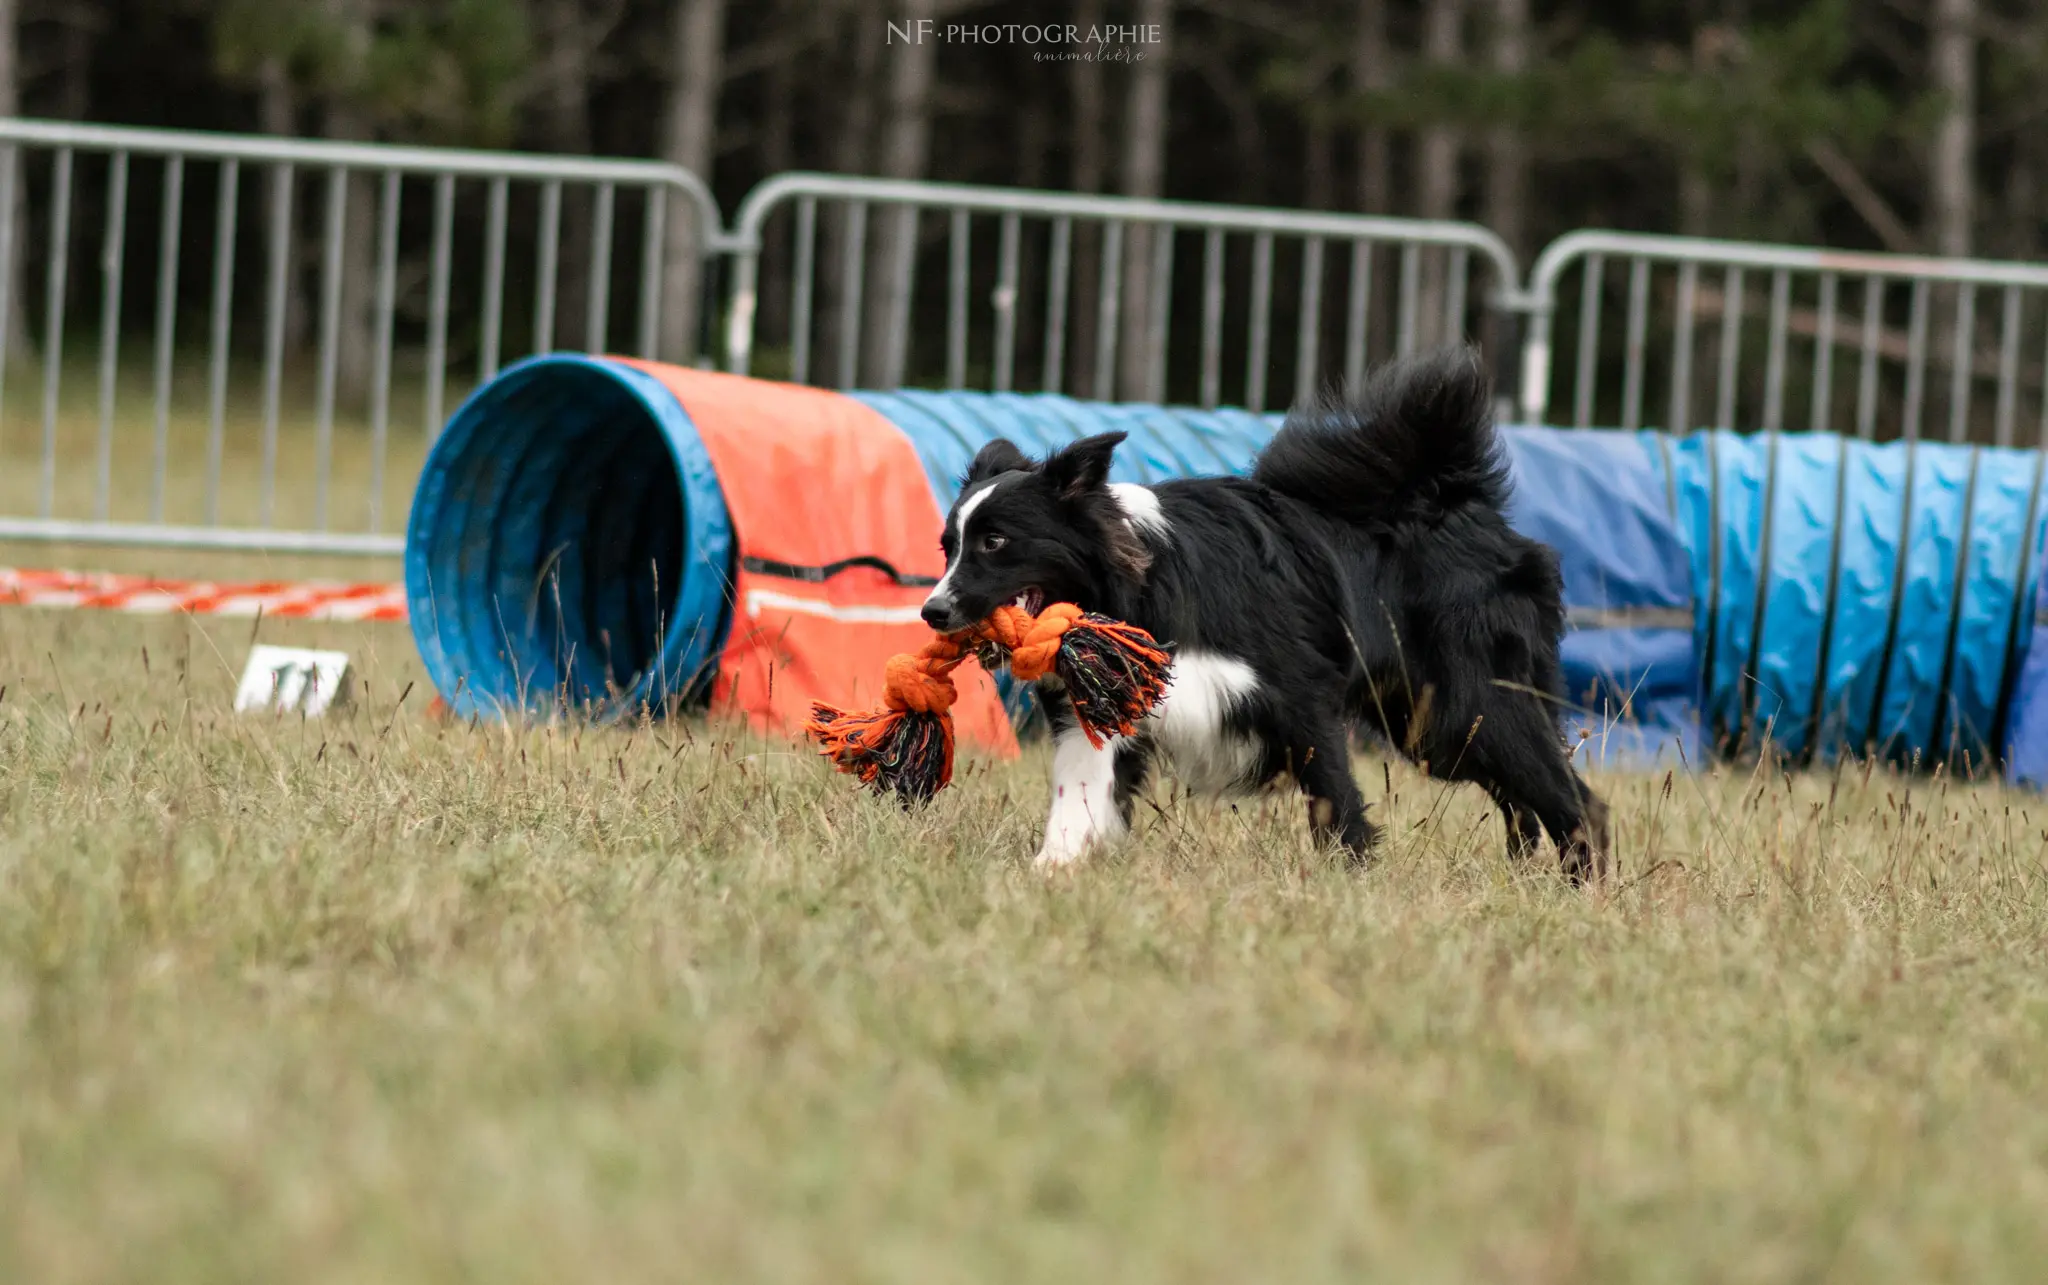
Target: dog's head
{"type": "Point", "coordinates": [1032, 532]}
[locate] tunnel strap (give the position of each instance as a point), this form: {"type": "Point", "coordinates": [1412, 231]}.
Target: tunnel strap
{"type": "Point", "coordinates": [820, 574]}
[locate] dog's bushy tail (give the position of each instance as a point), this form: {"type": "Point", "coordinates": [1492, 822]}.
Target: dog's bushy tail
{"type": "Point", "coordinates": [1414, 444]}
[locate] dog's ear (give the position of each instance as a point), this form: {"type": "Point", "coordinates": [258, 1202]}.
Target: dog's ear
{"type": "Point", "coordinates": [999, 456]}
{"type": "Point", "coordinates": [1078, 469]}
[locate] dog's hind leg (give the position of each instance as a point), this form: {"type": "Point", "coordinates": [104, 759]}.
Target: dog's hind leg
{"type": "Point", "coordinates": [1336, 806]}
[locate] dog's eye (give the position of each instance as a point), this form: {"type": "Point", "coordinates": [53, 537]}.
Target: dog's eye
{"type": "Point", "coordinates": [991, 542]}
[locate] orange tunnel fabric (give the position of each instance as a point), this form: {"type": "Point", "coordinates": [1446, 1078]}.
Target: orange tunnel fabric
{"type": "Point", "coordinates": [814, 480]}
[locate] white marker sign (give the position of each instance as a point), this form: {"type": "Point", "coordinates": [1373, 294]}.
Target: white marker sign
{"type": "Point", "coordinates": [291, 680]}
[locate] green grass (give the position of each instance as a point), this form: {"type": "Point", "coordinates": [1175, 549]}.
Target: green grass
{"type": "Point", "coordinates": [378, 999]}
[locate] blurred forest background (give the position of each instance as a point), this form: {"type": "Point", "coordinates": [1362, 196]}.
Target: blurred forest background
{"type": "Point", "coordinates": [1884, 124]}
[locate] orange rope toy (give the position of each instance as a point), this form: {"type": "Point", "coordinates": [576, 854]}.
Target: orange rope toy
{"type": "Point", "coordinates": [1114, 673]}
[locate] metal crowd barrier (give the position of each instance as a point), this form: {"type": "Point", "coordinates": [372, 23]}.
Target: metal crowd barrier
{"type": "Point", "coordinates": [1814, 303]}
{"type": "Point", "coordinates": [47, 160]}
{"type": "Point", "coordinates": [1009, 320]}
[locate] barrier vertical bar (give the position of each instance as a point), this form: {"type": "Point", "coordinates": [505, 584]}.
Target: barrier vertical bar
{"type": "Point", "coordinates": [852, 283]}
{"type": "Point", "coordinates": [113, 252]}
{"type": "Point", "coordinates": [2008, 367]}
{"type": "Point", "coordinates": [1006, 304]}
{"type": "Point", "coordinates": [1159, 312]}
{"type": "Point", "coordinates": [1056, 270]}
{"type": "Point", "coordinates": [441, 268]}
{"type": "Point", "coordinates": [547, 252]}
{"type": "Point", "coordinates": [283, 179]}
{"type": "Point", "coordinates": [1635, 358]}
{"type": "Point", "coordinates": [330, 341]}
{"type": "Point", "coordinates": [802, 290]}
{"type": "Point", "coordinates": [493, 322]}
{"type": "Point", "coordinates": [1962, 359]}
{"type": "Point", "coordinates": [1731, 348]}
{"type": "Point", "coordinates": [1212, 317]}
{"type": "Point", "coordinates": [956, 299]}
{"type": "Point", "coordinates": [1681, 350]}
{"type": "Point", "coordinates": [653, 246]}
{"type": "Point", "coordinates": [1774, 361]}
{"type": "Point", "coordinates": [387, 308]}
{"type": "Point", "coordinates": [1589, 340]}
{"type": "Point", "coordinates": [1308, 325]}
{"type": "Point", "coordinates": [1108, 296]}
{"type": "Point", "coordinates": [1821, 415]}
{"type": "Point", "coordinates": [1262, 304]}
{"type": "Point", "coordinates": [598, 299]}
{"type": "Point", "coordinates": [1358, 315]}
{"type": "Point", "coordinates": [1866, 380]}
{"type": "Point", "coordinates": [223, 306]}
{"type": "Point", "coordinates": [53, 327]}
{"type": "Point", "coordinates": [168, 245]}
{"type": "Point", "coordinates": [1916, 361]}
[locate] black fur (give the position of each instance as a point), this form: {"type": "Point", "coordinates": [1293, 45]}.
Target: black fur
{"type": "Point", "coordinates": [1365, 572]}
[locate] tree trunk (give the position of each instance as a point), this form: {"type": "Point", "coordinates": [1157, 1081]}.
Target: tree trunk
{"type": "Point", "coordinates": [18, 343]}
{"type": "Point", "coordinates": [851, 150]}
{"type": "Point", "coordinates": [1091, 168]}
{"type": "Point", "coordinates": [277, 112]}
{"type": "Point", "coordinates": [1371, 72]}
{"type": "Point", "coordinates": [356, 334]}
{"type": "Point", "coordinates": [688, 139]}
{"type": "Point", "coordinates": [778, 156]}
{"type": "Point", "coordinates": [1436, 187]}
{"type": "Point", "coordinates": [74, 94]}
{"type": "Point", "coordinates": [1950, 170]}
{"type": "Point", "coordinates": [906, 145]}
{"type": "Point", "coordinates": [349, 122]}
{"type": "Point", "coordinates": [565, 104]}
{"type": "Point", "coordinates": [1507, 169]}
{"type": "Point", "coordinates": [1144, 173]}
{"type": "Point", "coordinates": [1319, 183]}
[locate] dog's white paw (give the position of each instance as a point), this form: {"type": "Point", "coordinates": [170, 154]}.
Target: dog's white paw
{"type": "Point", "coordinates": [1057, 854]}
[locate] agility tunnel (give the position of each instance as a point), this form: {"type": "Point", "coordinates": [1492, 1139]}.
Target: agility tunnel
{"type": "Point", "coordinates": [614, 535]}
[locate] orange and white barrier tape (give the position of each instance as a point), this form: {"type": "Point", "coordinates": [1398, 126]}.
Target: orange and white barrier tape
{"type": "Point", "coordinates": [146, 595]}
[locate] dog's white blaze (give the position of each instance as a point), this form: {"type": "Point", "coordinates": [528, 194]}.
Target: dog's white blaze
{"type": "Point", "coordinates": [1084, 811]}
{"type": "Point", "coordinates": [967, 508]}
{"type": "Point", "coordinates": [1187, 723]}
{"type": "Point", "coordinates": [1141, 507]}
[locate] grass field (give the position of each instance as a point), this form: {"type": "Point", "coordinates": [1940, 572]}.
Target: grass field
{"type": "Point", "coordinates": [378, 999]}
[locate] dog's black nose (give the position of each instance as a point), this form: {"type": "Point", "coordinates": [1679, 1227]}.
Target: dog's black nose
{"type": "Point", "coordinates": [938, 612]}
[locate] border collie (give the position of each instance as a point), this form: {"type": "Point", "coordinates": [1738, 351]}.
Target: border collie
{"type": "Point", "coordinates": [1364, 573]}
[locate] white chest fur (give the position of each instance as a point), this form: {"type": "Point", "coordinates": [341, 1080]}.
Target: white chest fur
{"type": "Point", "coordinates": [1189, 723]}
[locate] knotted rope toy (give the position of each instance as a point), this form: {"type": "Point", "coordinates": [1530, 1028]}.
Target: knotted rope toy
{"type": "Point", "coordinates": [1114, 673]}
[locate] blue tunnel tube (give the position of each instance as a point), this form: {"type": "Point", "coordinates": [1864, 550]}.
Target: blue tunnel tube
{"type": "Point", "coordinates": [569, 544]}
{"type": "Point", "coordinates": [1860, 597]}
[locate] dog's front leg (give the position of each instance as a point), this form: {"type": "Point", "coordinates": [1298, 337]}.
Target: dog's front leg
{"type": "Point", "coordinates": [1086, 809]}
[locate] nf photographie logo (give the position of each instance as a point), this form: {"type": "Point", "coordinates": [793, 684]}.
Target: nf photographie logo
{"type": "Point", "coordinates": [1048, 42]}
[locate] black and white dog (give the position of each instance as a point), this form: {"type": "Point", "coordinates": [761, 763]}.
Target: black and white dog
{"type": "Point", "coordinates": [1363, 573]}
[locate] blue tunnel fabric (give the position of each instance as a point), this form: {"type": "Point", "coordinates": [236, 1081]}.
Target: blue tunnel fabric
{"type": "Point", "coordinates": [1884, 578]}
{"type": "Point", "coordinates": [567, 544]}
{"type": "Point", "coordinates": [1598, 498]}
{"type": "Point", "coordinates": [1601, 500]}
